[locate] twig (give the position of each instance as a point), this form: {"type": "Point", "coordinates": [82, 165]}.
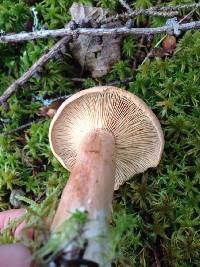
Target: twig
{"type": "Point", "coordinates": [165, 11]}
{"type": "Point", "coordinates": [126, 6]}
{"type": "Point", "coordinates": [22, 127]}
{"type": "Point", "coordinates": [138, 12]}
{"type": "Point", "coordinates": [187, 15]}
{"type": "Point", "coordinates": [94, 32]}
{"type": "Point", "coordinates": [180, 7]}
{"type": "Point", "coordinates": [29, 73]}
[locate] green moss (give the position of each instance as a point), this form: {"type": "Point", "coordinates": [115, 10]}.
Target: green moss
{"type": "Point", "coordinates": [155, 214]}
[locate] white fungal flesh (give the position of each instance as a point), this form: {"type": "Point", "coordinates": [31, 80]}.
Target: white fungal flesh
{"type": "Point", "coordinates": [138, 136]}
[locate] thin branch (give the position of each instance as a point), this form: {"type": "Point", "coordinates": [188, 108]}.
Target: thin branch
{"type": "Point", "coordinates": [138, 12]}
{"type": "Point", "coordinates": [153, 13]}
{"type": "Point", "coordinates": [180, 7]}
{"type": "Point", "coordinates": [94, 32]}
{"type": "Point", "coordinates": [164, 11]}
{"type": "Point", "coordinates": [126, 6]}
{"type": "Point", "coordinates": [33, 70]}
{"type": "Point", "coordinates": [22, 127]}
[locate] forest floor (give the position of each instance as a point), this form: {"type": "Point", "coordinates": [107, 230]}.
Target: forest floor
{"type": "Point", "coordinates": [155, 219]}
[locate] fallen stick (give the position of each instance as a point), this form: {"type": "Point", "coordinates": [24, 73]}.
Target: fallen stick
{"type": "Point", "coordinates": [22, 127]}
{"type": "Point", "coordinates": [126, 6]}
{"type": "Point", "coordinates": [164, 11]}
{"type": "Point", "coordinates": [34, 69]}
{"type": "Point", "coordinates": [153, 11]}
{"type": "Point", "coordinates": [94, 32]}
{"type": "Point", "coordinates": [179, 7]}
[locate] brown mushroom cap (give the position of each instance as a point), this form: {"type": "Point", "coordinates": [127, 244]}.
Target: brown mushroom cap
{"type": "Point", "coordinates": [137, 131]}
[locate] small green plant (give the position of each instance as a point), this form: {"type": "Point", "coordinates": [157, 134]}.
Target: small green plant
{"type": "Point", "coordinates": [129, 47]}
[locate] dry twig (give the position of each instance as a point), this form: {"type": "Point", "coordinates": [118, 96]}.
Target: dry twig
{"type": "Point", "coordinates": [22, 127]}
{"type": "Point", "coordinates": [138, 12]}
{"type": "Point", "coordinates": [165, 11]}
{"type": "Point", "coordinates": [179, 7]}
{"type": "Point", "coordinates": [34, 69]}
{"type": "Point", "coordinates": [94, 32]}
{"type": "Point", "coordinates": [125, 5]}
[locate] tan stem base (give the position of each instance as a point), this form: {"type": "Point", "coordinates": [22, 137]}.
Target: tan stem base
{"type": "Point", "coordinates": [90, 188]}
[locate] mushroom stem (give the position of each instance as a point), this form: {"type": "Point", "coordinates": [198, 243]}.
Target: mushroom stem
{"type": "Point", "coordinates": [90, 188]}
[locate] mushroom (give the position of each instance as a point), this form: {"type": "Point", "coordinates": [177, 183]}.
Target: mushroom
{"type": "Point", "coordinates": [104, 136]}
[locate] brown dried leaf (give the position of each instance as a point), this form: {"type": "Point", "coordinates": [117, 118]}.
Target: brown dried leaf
{"type": "Point", "coordinates": [83, 14]}
{"type": "Point", "coordinates": [95, 54]}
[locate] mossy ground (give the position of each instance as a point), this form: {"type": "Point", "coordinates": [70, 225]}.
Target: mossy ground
{"type": "Point", "coordinates": [156, 214]}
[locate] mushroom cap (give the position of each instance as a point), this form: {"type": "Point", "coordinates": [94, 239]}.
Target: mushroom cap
{"type": "Point", "coordinates": [137, 131]}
